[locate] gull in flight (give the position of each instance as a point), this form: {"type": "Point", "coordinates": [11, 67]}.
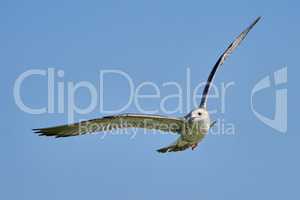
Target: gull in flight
{"type": "Point", "coordinates": [191, 128]}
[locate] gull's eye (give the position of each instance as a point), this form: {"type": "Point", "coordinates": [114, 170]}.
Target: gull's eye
{"type": "Point", "coordinates": [199, 113]}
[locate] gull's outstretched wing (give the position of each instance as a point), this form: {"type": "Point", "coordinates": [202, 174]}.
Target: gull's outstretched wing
{"type": "Point", "coordinates": [156, 122]}
{"type": "Point", "coordinates": [221, 60]}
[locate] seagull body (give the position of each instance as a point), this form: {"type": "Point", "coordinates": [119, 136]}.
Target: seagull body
{"type": "Point", "coordinates": [191, 128]}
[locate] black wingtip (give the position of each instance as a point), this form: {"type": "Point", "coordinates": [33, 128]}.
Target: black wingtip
{"type": "Point", "coordinates": [36, 130]}
{"type": "Point", "coordinates": [40, 132]}
{"type": "Point", "coordinates": [256, 20]}
{"type": "Point", "coordinates": [252, 25]}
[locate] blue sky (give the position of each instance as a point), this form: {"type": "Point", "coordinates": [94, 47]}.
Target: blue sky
{"type": "Point", "coordinates": [151, 41]}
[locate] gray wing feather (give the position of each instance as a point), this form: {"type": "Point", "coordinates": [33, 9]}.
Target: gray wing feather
{"type": "Point", "coordinates": [108, 123]}
{"type": "Point", "coordinates": [221, 60]}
